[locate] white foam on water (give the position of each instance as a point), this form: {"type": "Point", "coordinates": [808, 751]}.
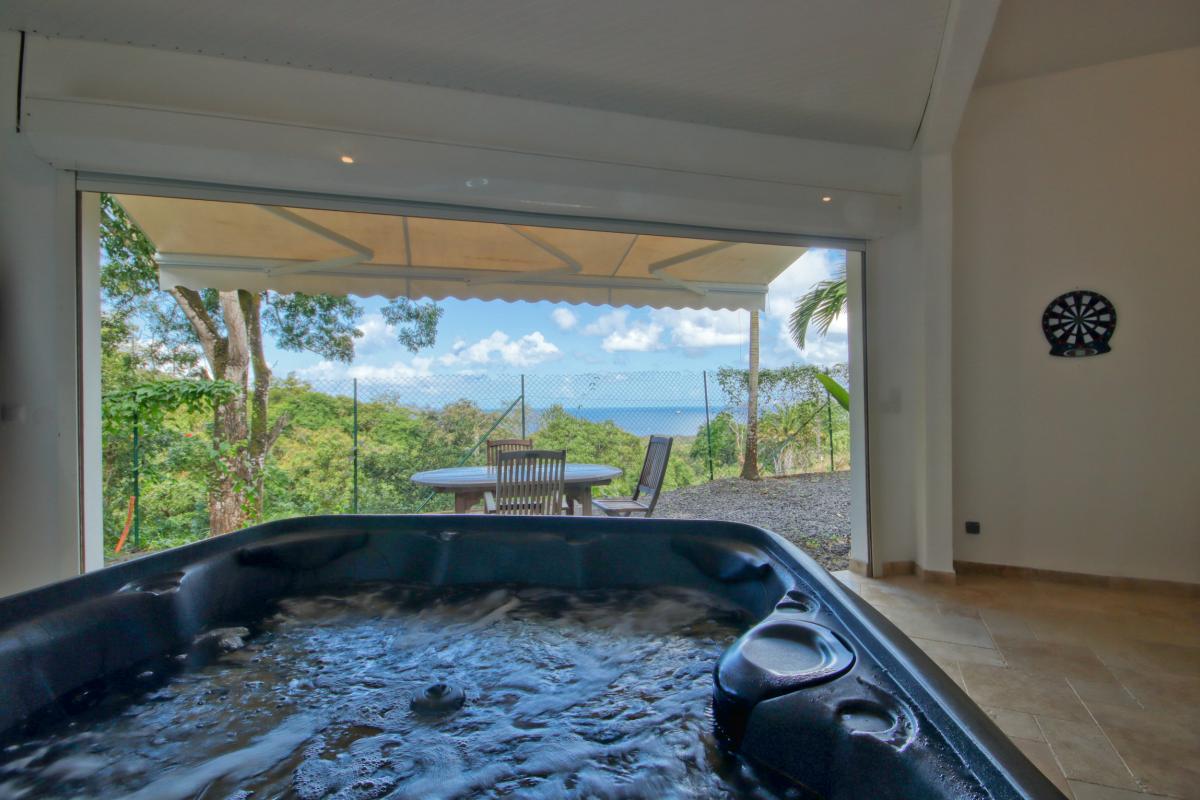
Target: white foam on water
{"type": "Point", "coordinates": [237, 765]}
{"type": "Point", "coordinates": [589, 695]}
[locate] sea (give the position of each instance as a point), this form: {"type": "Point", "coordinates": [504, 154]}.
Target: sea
{"type": "Point", "coordinates": [638, 420]}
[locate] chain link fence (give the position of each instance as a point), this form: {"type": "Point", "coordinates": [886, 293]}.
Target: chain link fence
{"type": "Point", "coordinates": [351, 445]}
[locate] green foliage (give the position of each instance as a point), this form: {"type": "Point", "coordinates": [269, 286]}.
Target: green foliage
{"type": "Point", "coordinates": [138, 315]}
{"type": "Point", "coordinates": [129, 272]}
{"type": "Point", "coordinates": [838, 392]}
{"type": "Point", "coordinates": [310, 469]}
{"type": "Point", "coordinates": [397, 441]}
{"type": "Point", "coordinates": [724, 433]}
{"type": "Point", "coordinates": [820, 306]}
{"type": "Point", "coordinates": [778, 387]}
{"type": "Point", "coordinates": [795, 423]}
{"type": "Point", "coordinates": [589, 442]}
{"type": "Point", "coordinates": [416, 322]}
{"type": "Point", "coordinates": [149, 402]}
{"type": "Point", "coordinates": [593, 443]}
{"type": "Point", "coordinates": [310, 472]}
{"type": "Point", "coordinates": [324, 324]}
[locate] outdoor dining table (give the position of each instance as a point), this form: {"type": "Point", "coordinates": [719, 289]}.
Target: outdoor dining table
{"type": "Point", "coordinates": [469, 483]}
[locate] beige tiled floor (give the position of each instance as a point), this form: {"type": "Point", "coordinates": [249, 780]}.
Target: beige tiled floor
{"type": "Point", "coordinates": [1099, 687]}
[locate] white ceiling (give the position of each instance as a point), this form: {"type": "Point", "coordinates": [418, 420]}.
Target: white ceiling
{"type": "Point", "coordinates": [855, 71]}
{"type": "Point", "coordinates": [1037, 37]}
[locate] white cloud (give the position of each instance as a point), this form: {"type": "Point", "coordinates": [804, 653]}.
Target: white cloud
{"type": "Point", "coordinates": [814, 266]}
{"type": "Point", "coordinates": [397, 370]}
{"type": "Point", "coordinates": [622, 336]}
{"type": "Point", "coordinates": [637, 338]}
{"type": "Point", "coordinates": [530, 349]}
{"type": "Point", "coordinates": [377, 335]}
{"type": "Point", "coordinates": [831, 349]}
{"type": "Point", "coordinates": [612, 322]}
{"type": "Point", "coordinates": [693, 328]}
{"type": "Point", "coordinates": [564, 318]}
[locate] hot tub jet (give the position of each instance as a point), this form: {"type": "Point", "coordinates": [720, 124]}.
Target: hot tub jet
{"type": "Point", "coordinates": [440, 698]}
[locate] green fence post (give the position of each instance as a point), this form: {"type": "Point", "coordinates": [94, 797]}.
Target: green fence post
{"type": "Point", "coordinates": [137, 484]}
{"type": "Point", "coordinates": [707, 426]}
{"type": "Point", "coordinates": [829, 413]}
{"type": "Point", "coordinates": [522, 405]}
{"type": "Point", "coordinates": [355, 505]}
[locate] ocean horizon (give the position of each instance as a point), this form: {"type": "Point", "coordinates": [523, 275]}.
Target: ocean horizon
{"type": "Point", "coordinates": [638, 420]}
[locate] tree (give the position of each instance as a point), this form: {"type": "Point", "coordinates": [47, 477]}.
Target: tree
{"type": "Point", "coordinates": [228, 330]}
{"type": "Point", "coordinates": [723, 434]}
{"type": "Point", "coordinates": [750, 463]}
{"type": "Point", "coordinates": [782, 393]}
{"type": "Point", "coordinates": [821, 305]}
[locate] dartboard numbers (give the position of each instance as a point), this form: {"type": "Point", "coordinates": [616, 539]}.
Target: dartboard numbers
{"type": "Point", "coordinates": [1079, 323]}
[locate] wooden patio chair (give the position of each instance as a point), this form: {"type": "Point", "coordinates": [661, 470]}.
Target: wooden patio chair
{"type": "Point", "coordinates": [494, 448]}
{"type": "Point", "coordinates": [649, 484]}
{"type": "Point", "coordinates": [529, 482]}
{"type": "Point", "coordinates": [497, 446]}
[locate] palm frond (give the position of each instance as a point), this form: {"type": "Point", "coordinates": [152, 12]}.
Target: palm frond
{"type": "Point", "coordinates": [819, 307]}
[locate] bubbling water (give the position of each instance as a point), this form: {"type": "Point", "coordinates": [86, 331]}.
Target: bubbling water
{"type": "Point", "coordinates": [568, 695]}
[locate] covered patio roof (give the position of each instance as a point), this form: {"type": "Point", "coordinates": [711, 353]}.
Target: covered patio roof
{"type": "Point", "coordinates": [204, 244]}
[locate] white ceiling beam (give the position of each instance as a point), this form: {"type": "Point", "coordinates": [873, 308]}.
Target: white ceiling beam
{"type": "Point", "coordinates": [968, 27]}
{"type": "Point", "coordinates": [148, 78]}
{"type": "Point", "coordinates": [163, 115]}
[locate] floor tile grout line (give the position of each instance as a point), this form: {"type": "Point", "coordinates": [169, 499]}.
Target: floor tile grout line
{"type": "Point", "coordinates": [992, 635]}
{"type": "Point", "coordinates": [1136, 780]}
{"type": "Point", "coordinates": [1053, 753]}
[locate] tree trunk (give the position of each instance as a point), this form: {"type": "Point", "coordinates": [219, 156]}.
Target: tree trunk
{"type": "Point", "coordinates": [229, 499]}
{"type": "Point", "coordinates": [750, 464]}
{"type": "Point", "coordinates": [262, 434]}
{"type": "Point", "coordinates": [242, 437]}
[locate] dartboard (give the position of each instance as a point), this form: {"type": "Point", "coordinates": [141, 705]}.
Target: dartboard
{"type": "Point", "coordinates": [1079, 323]}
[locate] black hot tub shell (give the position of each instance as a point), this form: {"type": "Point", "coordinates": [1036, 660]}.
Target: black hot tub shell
{"type": "Point", "coordinates": [822, 691]}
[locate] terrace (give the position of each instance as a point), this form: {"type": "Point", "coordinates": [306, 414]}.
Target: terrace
{"type": "Point", "coordinates": [1023, 515]}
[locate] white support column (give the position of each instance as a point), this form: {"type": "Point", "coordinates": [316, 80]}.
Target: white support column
{"type": "Point", "coordinates": [91, 495]}
{"type": "Point", "coordinates": [860, 555]}
{"type": "Point", "coordinates": [39, 390]}
{"type": "Point", "coordinates": [935, 532]}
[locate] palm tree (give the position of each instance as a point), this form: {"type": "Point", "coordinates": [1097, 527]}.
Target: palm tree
{"type": "Point", "coordinates": [750, 463]}
{"type": "Point", "coordinates": [820, 306]}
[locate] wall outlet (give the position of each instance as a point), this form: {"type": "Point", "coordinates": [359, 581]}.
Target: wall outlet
{"type": "Point", "coordinates": [973, 527]}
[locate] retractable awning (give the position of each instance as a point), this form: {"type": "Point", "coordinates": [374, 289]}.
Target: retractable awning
{"type": "Point", "coordinates": [206, 244]}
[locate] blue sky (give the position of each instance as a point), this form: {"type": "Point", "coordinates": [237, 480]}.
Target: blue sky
{"type": "Point", "coordinates": [556, 338]}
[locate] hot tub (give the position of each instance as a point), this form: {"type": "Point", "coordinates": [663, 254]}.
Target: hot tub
{"type": "Point", "coordinates": [813, 693]}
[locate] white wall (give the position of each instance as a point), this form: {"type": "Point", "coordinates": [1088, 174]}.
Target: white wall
{"type": "Point", "coordinates": [39, 468]}
{"type": "Point", "coordinates": [1083, 179]}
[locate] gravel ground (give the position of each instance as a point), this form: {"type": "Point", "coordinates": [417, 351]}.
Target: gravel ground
{"type": "Point", "coordinates": [811, 511]}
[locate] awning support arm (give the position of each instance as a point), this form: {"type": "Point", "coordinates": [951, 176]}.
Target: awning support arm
{"type": "Point", "coordinates": [569, 265]}
{"type": "Point", "coordinates": [358, 253]}
{"type": "Point", "coordinates": [659, 268]}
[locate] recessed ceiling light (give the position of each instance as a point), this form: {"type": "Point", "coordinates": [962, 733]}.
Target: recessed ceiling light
{"type": "Point", "coordinates": [826, 198]}
{"type": "Point", "coordinates": [347, 159]}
